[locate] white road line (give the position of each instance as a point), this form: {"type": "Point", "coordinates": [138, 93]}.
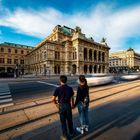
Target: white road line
{"type": "Point", "coordinates": [51, 84]}
{"type": "Point", "coordinates": [5, 93]}
{"type": "Point", "coordinates": [6, 100]}
{"type": "Point", "coordinates": [48, 83]}
{"type": "Point", "coordinates": [6, 96]}
{"type": "Point", "coordinates": [3, 90]}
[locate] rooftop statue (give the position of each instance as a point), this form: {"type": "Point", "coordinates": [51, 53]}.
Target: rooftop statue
{"type": "Point", "coordinates": [78, 29]}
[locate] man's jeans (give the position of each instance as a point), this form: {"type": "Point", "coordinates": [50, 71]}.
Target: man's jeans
{"type": "Point", "coordinates": [83, 114]}
{"type": "Point", "coordinates": [65, 113]}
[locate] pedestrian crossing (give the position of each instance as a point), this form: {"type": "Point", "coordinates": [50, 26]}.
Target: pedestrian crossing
{"type": "Point", "coordinates": [5, 96]}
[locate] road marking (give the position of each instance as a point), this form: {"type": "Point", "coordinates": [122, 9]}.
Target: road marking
{"type": "Point", "coordinates": [48, 84]}
{"type": "Point", "coordinates": [3, 90]}
{"type": "Point", "coordinates": [5, 93]}
{"type": "Point", "coordinates": [5, 96]}
{"type": "Point", "coordinates": [53, 85]}
{"type": "Point", "coordinates": [6, 100]}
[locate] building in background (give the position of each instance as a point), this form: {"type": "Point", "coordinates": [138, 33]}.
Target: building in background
{"type": "Point", "coordinates": [124, 61]}
{"type": "Point", "coordinates": [68, 51]}
{"type": "Point", "coordinates": [12, 59]}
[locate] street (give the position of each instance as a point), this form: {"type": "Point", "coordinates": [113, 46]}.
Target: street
{"type": "Point", "coordinates": [31, 90]}
{"type": "Point", "coordinates": [20, 90]}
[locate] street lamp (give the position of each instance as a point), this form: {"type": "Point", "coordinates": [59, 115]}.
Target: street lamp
{"type": "Point", "coordinates": [16, 71]}
{"type": "Point", "coordinates": [48, 71]}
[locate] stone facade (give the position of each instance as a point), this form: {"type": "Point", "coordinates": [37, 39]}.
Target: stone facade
{"type": "Point", "coordinates": [12, 57]}
{"type": "Point", "coordinates": [124, 61]}
{"type": "Point", "coordinates": [68, 51]}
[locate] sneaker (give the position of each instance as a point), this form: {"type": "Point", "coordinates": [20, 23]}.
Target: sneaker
{"type": "Point", "coordinates": [63, 138]}
{"type": "Point", "coordinates": [80, 130]}
{"type": "Point", "coordinates": [86, 129]}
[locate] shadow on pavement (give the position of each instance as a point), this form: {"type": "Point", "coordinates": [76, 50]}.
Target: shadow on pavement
{"type": "Point", "coordinates": [115, 114]}
{"type": "Point", "coordinates": [136, 137]}
{"type": "Point", "coordinates": [110, 116]}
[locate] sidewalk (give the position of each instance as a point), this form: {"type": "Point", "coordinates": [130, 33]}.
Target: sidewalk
{"type": "Point", "coordinates": [118, 125]}
{"type": "Point", "coordinates": [42, 121]}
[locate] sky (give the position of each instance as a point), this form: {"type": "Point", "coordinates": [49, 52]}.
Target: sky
{"type": "Point", "coordinates": [28, 22]}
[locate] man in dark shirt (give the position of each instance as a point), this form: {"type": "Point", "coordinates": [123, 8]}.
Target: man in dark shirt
{"type": "Point", "coordinates": [65, 97]}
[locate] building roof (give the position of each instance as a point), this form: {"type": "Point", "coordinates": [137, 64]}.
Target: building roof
{"type": "Point", "coordinates": [130, 49]}
{"type": "Point", "coordinates": [16, 45]}
{"type": "Point", "coordinates": [66, 30]}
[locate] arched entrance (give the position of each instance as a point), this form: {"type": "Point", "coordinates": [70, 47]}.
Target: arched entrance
{"type": "Point", "coordinates": [99, 70]}
{"type": "Point", "coordinates": [57, 69]}
{"type": "Point", "coordinates": [90, 69]}
{"type": "Point", "coordinates": [2, 69]}
{"type": "Point", "coordinates": [95, 69]}
{"type": "Point", "coordinates": [73, 69]}
{"type": "Point", "coordinates": [85, 69]}
{"type": "Point", "coordinates": [2, 72]}
{"type": "Point", "coordinates": [103, 69]}
{"type": "Point", "coordinates": [10, 72]}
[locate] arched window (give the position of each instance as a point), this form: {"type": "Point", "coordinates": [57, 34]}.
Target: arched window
{"type": "Point", "coordinates": [22, 52]}
{"type": "Point", "coordinates": [85, 69]}
{"type": "Point", "coordinates": [2, 49]}
{"type": "Point", "coordinates": [99, 56]}
{"type": "Point", "coordinates": [73, 69]}
{"type": "Point", "coordinates": [90, 54]}
{"type": "Point", "coordinates": [9, 50]}
{"type": "Point", "coordinates": [103, 56]}
{"type": "Point", "coordinates": [45, 55]}
{"type": "Point", "coordinates": [95, 55]}
{"type": "Point", "coordinates": [85, 53]}
{"type": "Point", "coordinates": [15, 50]}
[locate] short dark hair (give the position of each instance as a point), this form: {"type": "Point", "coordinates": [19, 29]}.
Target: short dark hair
{"type": "Point", "coordinates": [63, 79]}
{"type": "Point", "coordinates": [82, 78]}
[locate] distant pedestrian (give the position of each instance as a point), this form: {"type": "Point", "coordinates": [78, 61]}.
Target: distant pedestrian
{"type": "Point", "coordinates": [65, 98]}
{"type": "Point", "coordinates": [82, 102]}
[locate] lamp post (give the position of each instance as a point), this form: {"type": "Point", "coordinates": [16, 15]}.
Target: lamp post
{"type": "Point", "coordinates": [48, 72]}
{"type": "Point", "coordinates": [16, 71]}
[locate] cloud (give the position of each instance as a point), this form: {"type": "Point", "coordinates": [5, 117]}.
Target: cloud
{"type": "Point", "coordinates": [101, 21]}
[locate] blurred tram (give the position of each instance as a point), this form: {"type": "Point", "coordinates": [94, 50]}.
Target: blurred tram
{"type": "Point", "coordinates": [99, 79]}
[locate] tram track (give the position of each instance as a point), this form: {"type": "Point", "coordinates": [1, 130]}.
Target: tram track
{"type": "Point", "coordinates": [47, 100]}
